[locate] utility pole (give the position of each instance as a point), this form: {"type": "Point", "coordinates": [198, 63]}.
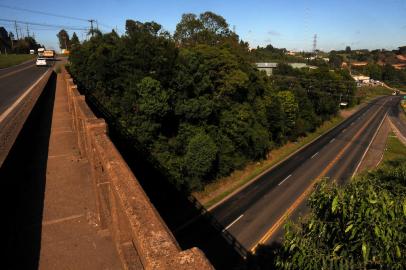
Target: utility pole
{"type": "Point", "coordinates": [15, 25]}
{"type": "Point", "coordinates": [91, 26]}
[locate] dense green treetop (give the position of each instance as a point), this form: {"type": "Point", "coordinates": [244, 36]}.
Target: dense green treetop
{"type": "Point", "coordinates": [194, 101]}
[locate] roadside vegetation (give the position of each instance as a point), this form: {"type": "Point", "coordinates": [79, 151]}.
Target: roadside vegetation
{"type": "Point", "coordinates": [8, 60]}
{"type": "Point", "coordinates": [218, 190]}
{"type": "Point", "coordinates": [367, 93]}
{"type": "Point", "coordinates": [361, 225]}
{"type": "Point", "coordinates": [394, 149]}
{"type": "Point", "coordinates": [196, 102]}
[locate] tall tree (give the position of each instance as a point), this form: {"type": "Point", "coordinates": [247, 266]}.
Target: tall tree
{"type": "Point", "coordinates": [74, 40]}
{"type": "Point", "coordinates": [63, 37]}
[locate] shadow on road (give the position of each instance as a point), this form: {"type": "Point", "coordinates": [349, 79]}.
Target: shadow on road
{"type": "Point", "coordinates": [23, 176]}
{"type": "Point", "coordinates": [177, 208]}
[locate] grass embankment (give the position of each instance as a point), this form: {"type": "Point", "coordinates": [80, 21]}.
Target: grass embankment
{"type": "Point", "coordinates": [218, 190]}
{"type": "Point", "coordinates": [366, 93]}
{"type": "Point", "coordinates": [14, 59]}
{"type": "Point", "coordinates": [394, 149]}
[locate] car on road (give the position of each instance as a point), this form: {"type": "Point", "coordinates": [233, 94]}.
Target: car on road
{"type": "Point", "coordinates": [41, 62]}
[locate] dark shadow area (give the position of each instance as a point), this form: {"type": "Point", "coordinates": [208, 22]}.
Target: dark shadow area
{"type": "Point", "coordinates": [23, 177]}
{"type": "Point", "coordinates": [264, 258]}
{"type": "Point", "coordinates": [189, 221]}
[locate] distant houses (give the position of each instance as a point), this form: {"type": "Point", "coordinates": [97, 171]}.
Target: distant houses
{"type": "Point", "coordinates": [270, 66]}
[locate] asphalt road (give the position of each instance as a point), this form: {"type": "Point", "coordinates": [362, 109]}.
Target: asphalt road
{"type": "Point", "coordinates": [395, 118]}
{"type": "Point", "coordinates": [14, 81]}
{"type": "Point", "coordinates": [255, 214]}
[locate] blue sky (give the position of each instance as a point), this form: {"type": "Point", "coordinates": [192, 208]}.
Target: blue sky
{"type": "Point", "coordinates": [290, 23]}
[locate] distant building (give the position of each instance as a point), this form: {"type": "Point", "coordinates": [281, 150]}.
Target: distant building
{"type": "Point", "coordinates": [298, 65]}
{"type": "Point", "coordinates": [399, 66]}
{"type": "Point", "coordinates": [267, 67]}
{"type": "Point", "coordinates": [360, 78]}
{"type": "Point", "coordinates": [359, 64]}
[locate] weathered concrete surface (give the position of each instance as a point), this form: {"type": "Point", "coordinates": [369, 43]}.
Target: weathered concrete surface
{"type": "Point", "coordinates": [141, 237]}
{"type": "Point", "coordinates": [70, 237]}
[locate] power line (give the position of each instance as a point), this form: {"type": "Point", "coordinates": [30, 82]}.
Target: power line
{"type": "Point", "coordinates": [47, 25]}
{"type": "Point", "coordinates": [43, 13]}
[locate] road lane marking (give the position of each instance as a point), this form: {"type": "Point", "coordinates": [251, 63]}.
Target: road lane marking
{"type": "Point", "coordinates": [309, 189]}
{"type": "Point", "coordinates": [352, 123]}
{"type": "Point", "coordinates": [15, 104]}
{"type": "Point", "coordinates": [285, 179]}
{"type": "Point", "coordinates": [342, 131]}
{"type": "Point", "coordinates": [369, 145]}
{"type": "Point", "coordinates": [15, 71]}
{"type": "Point", "coordinates": [332, 140]}
{"type": "Point", "coordinates": [232, 223]}
{"type": "Point", "coordinates": [314, 155]}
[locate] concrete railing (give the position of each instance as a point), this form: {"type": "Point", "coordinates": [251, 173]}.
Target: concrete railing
{"type": "Point", "coordinates": [123, 207]}
{"type": "Point", "coordinates": [14, 117]}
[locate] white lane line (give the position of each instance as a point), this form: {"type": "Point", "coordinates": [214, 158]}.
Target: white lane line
{"type": "Point", "coordinates": [16, 71]}
{"type": "Point", "coordinates": [285, 179]}
{"type": "Point", "coordinates": [369, 145]}
{"type": "Point", "coordinates": [15, 104]}
{"type": "Point", "coordinates": [342, 131]}
{"type": "Point", "coordinates": [232, 223]}
{"type": "Point", "coordinates": [332, 140]}
{"type": "Point", "coordinates": [352, 123]}
{"type": "Point", "coordinates": [314, 155]}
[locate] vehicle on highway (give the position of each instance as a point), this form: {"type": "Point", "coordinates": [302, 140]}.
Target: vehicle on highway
{"type": "Point", "coordinates": [41, 62]}
{"type": "Point", "coordinates": [49, 54]}
{"type": "Point", "coordinates": [40, 52]}
{"type": "Point", "coordinates": [32, 51]}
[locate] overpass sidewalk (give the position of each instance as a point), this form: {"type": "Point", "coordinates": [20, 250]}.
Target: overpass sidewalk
{"type": "Point", "coordinates": [70, 238]}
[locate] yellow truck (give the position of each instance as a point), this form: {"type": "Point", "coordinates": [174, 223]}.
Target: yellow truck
{"type": "Point", "coordinates": [49, 54]}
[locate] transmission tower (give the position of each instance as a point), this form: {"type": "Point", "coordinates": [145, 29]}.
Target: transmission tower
{"type": "Point", "coordinates": [16, 27]}
{"type": "Point", "coordinates": [314, 43]}
{"type": "Point", "coordinates": [28, 30]}
{"type": "Point", "coordinates": [91, 26]}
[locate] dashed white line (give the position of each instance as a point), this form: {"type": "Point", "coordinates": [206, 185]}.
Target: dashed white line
{"type": "Point", "coordinates": [285, 179]}
{"type": "Point", "coordinates": [232, 223]}
{"type": "Point", "coordinates": [352, 123]}
{"type": "Point", "coordinates": [342, 131]}
{"type": "Point", "coordinates": [332, 140]}
{"type": "Point", "coordinates": [314, 155]}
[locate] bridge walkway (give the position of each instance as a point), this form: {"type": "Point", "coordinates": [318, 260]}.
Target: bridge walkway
{"type": "Point", "coordinates": [70, 238]}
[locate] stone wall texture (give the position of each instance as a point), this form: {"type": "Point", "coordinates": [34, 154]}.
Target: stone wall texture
{"type": "Point", "coordinates": [123, 207]}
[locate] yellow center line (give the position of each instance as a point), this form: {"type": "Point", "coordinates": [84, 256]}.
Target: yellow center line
{"type": "Point", "coordinates": [309, 189]}
{"type": "Point", "coordinates": [15, 71]}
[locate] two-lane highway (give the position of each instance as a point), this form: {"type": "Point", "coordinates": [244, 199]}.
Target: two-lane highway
{"type": "Point", "coordinates": [256, 213]}
{"type": "Point", "coordinates": [14, 81]}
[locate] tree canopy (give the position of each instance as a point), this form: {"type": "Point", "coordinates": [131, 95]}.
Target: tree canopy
{"type": "Point", "coordinates": [194, 100]}
{"type": "Point", "coordinates": [361, 225]}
